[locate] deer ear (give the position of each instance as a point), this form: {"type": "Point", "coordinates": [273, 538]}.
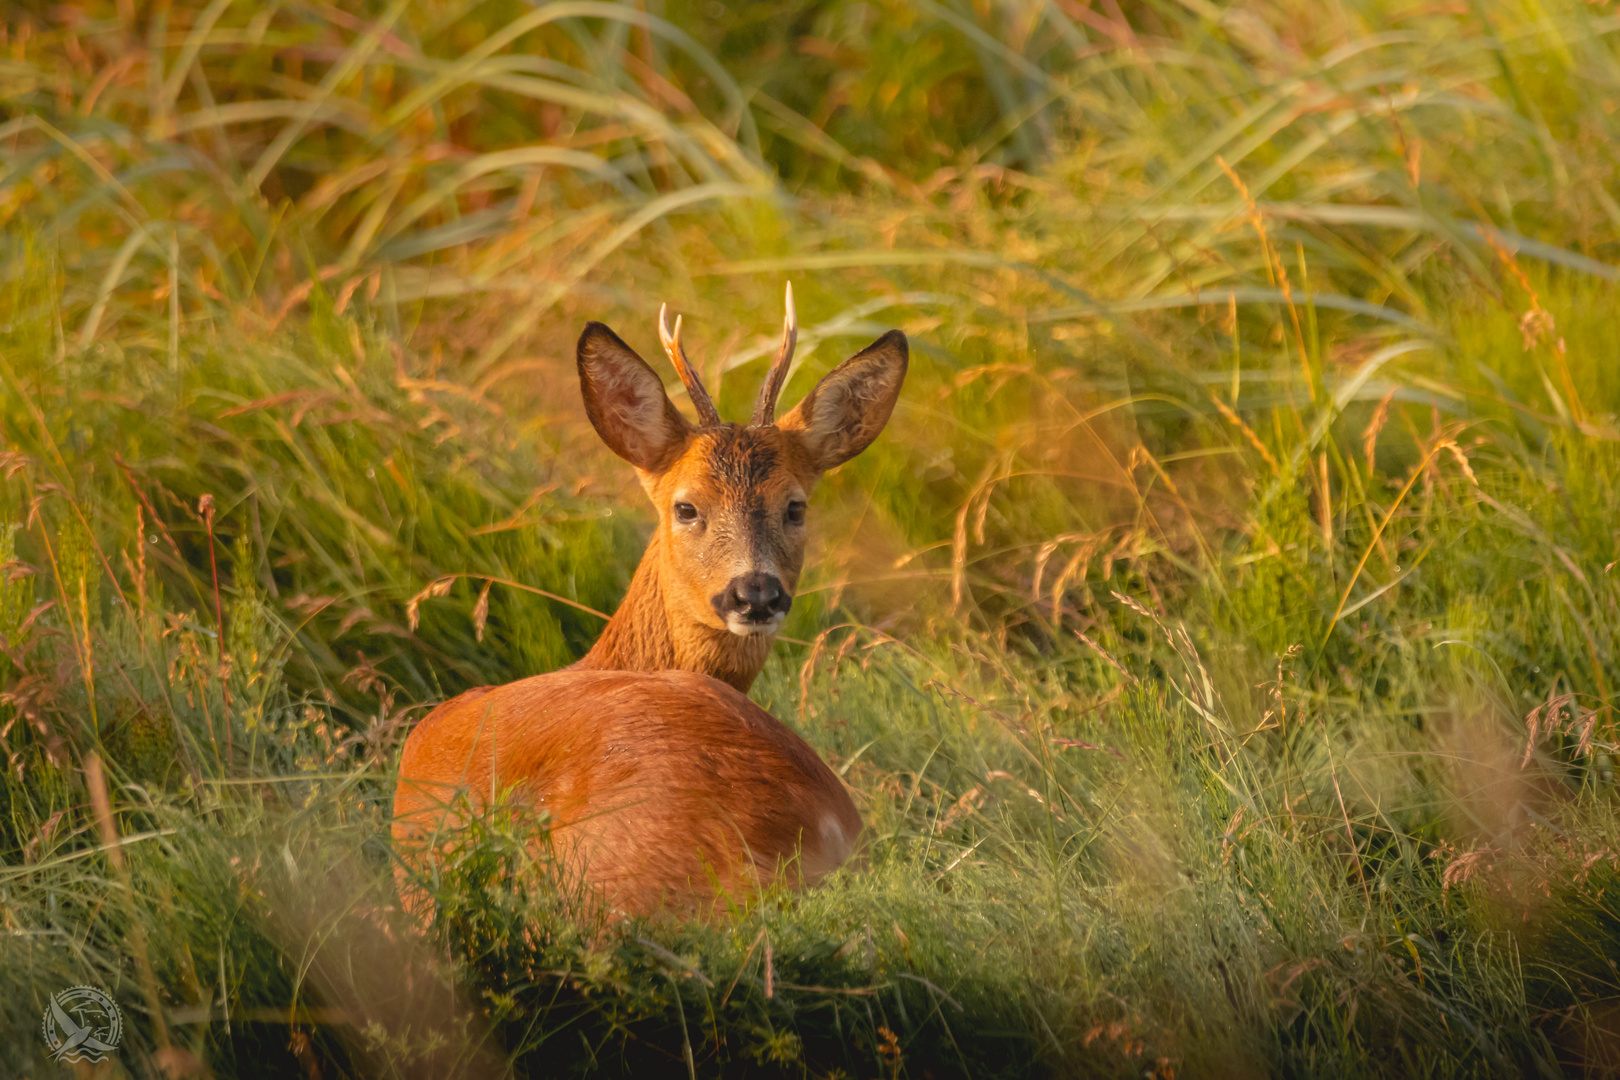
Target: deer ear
{"type": "Point", "coordinates": [626, 402]}
{"type": "Point", "coordinates": [848, 408]}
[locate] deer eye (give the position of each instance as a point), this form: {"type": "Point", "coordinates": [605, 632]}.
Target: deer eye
{"type": "Point", "coordinates": [685, 513]}
{"type": "Point", "coordinates": [795, 513]}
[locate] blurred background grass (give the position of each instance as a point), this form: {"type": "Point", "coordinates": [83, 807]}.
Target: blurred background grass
{"type": "Point", "coordinates": [1219, 643]}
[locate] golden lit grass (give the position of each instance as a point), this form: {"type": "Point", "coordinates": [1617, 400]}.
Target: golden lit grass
{"type": "Point", "coordinates": [1220, 642]}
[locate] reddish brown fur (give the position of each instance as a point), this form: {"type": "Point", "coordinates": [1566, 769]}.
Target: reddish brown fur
{"type": "Point", "coordinates": [662, 780]}
{"type": "Point", "coordinates": [661, 786]}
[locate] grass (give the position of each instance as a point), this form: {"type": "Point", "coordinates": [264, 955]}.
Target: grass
{"type": "Point", "coordinates": [1219, 643]}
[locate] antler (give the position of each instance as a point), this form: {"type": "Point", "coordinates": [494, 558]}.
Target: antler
{"type": "Point", "coordinates": [765, 404]}
{"type": "Point", "coordinates": [708, 416]}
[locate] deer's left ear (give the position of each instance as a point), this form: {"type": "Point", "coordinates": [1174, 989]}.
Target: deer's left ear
{"type": "Point", "coordinates": [847, 409]}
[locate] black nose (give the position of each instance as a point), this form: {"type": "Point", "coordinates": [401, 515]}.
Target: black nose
{"type": "Point", "coordinates": [756, 597]}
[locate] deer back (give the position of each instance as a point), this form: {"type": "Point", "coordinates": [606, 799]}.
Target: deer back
{"type": "Point", "coordinates": [661, 791]}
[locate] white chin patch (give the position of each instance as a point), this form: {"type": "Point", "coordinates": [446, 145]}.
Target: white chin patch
{"type": "Point", "coordinates": [743, 628]}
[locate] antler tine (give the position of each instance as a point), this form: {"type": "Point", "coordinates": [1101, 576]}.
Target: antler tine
{"type": "Point", "coordinates": [708, 415]}
{"type": "Point", "coordinates": [765, 404]}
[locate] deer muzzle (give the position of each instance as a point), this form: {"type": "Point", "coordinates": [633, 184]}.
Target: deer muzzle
{"type": "Point", "coordinates": [754, 603]}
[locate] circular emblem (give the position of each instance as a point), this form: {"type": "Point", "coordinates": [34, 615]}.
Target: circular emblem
{"type": "Point", "coordinates": [82, 1023]}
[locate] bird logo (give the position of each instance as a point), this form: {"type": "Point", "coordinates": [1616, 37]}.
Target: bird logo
{"type": "Point", "coordinates": [82, 1023]}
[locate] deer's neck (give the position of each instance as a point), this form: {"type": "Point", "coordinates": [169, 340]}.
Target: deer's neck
{"type": "Point", "coordinates": [644, 635]}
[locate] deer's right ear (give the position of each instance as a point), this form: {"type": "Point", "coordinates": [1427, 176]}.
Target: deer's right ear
{"type": "Point", "coordinates": [626, 402]}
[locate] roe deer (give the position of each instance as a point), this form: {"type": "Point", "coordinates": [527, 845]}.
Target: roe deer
{"type": "Point", "coordinates": [664, 786]}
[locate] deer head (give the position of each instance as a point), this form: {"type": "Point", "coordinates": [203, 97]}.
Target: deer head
{"type": "Point", "coordinates": [731, 498]}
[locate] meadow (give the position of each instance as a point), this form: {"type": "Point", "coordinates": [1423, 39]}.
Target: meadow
{"type": "Point", "coordinates": [1219, 643]}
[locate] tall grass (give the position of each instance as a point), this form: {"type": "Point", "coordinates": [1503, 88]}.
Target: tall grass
{"type": "Point", "coordinates": [1219, 644]}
